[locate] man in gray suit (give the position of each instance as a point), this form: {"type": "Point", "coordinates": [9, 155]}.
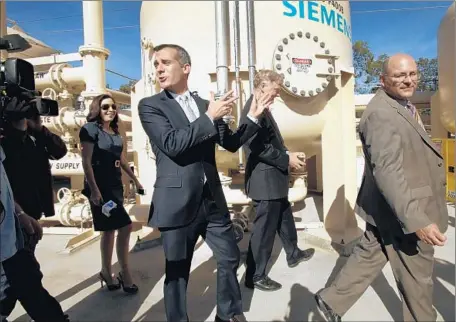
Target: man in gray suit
{"type": "Point", "coordinates": [402, 199]}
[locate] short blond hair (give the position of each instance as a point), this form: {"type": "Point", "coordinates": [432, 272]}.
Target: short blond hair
{"type": "Point", "coordinates": [267, 75]}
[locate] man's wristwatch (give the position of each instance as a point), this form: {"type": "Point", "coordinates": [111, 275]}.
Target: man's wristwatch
{"type": "Point", "coordinates": [20, 213]}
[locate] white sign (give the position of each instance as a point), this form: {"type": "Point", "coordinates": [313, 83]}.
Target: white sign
{"type": "Point", "coordinates": [66, 167]}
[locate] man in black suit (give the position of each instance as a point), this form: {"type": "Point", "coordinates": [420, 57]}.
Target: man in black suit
{"type": "Point", "coordinates": [188, 199]}
{"type": "Point", "coordinates": [267, 183]}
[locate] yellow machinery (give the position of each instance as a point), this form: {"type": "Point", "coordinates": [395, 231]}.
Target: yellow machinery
{"type": "Point", "coordinates": [443, 102]}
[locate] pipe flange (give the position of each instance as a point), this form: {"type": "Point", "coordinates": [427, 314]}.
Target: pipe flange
{"type": "Point", "coordinates": [93, 49]}
{"type": "Point", "coordinates": [298, 58]}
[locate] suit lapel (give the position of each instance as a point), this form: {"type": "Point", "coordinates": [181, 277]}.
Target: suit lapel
{"type": "Point", "coordinates": [274, 125]}
{"type": "Point", "coordinates": [402, 110]}
{"type": "Point", "coordinates": [174, 108]}
{"type": "Point", "coordinates": [202, 105]}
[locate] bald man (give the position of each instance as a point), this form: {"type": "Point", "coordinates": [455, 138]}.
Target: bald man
{"type": "Point", "coordinates": [402, 199]}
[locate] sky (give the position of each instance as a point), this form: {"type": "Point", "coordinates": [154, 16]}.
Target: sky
{"type": "Point", "coordinates": [59, 25]}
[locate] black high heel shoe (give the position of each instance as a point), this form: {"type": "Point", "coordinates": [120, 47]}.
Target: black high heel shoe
{"type": "Point", "coordinates": [111, 287]}
{"type": "Point", "coordinates": [133, 289]}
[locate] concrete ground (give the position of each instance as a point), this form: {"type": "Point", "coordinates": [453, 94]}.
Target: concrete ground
{"type": "Point", "coordinates": [72, 279]}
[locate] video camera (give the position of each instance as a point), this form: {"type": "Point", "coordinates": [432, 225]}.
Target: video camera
{"type": "Point", "coordinates": [18, 97]}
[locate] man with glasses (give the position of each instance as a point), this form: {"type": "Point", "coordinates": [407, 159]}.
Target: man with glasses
{"type": "Point", "coordinates": [402, 199]}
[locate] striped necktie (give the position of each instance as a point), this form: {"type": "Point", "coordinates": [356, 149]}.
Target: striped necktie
{"type": "Point", "coordinates": [188, 109]}
{"type": "Point", "coordinates": [412, 109]}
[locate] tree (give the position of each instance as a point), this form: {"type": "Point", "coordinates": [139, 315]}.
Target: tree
{"type": "Point", "coordinates": [367, 68]}
{"type": "Point", "coordinates": [126, 88]}
{"type": "Point", "coordinates": [428, 70]}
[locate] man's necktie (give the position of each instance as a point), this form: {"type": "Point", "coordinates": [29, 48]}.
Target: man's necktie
{"type": "Point", "coordinates": [188, 109]}
{"type": "Point", "coordinates": [412, 109]}
{"type": "Point", "coordinates": [190, 114]}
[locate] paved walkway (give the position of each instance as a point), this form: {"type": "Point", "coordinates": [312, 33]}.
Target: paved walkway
{"type": "Point", "coordinates": [73, 280]}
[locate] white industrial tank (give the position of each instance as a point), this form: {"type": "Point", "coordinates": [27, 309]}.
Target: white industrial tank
{"type": "Point", "coordinates": [445, 96]}
{"type": "Point", "coordinates": [296, 38]}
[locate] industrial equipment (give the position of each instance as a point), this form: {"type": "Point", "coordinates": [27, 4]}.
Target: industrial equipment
{"type": "Point", "coordinates": [309, 42]}
{"type": "Point", "coordinates": [443, 102]}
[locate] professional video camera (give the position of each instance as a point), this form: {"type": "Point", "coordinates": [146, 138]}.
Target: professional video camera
{"type": "Point", "coordinates": [18, 97]}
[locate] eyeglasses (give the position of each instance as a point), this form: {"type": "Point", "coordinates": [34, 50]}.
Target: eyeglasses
{"type": "Point", "coordinates": [402, 77]}
{"type": "Point", "coordinates": [106, 107]}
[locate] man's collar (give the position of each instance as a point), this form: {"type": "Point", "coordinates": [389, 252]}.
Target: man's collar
{"type": "Point", "coordinates": [400, 101]}
{"type": "Point", "coordinates": [177, 96]}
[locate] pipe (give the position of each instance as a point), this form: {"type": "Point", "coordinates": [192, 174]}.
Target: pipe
{"type": "Point", "coordinates": [222, 38]}
{"type": "Point", "coordinates": [3, 28]}
{"type": "Point", "coordinates": [251, 41]}
{"type": "Point", "coordinates": [67, 75]}
{"type": "Point", "coordinates": [120, 97]}
{"type": "Point", "coordinates": [93, 52]}
{"type": "Point", "coordinates": [237, 56]}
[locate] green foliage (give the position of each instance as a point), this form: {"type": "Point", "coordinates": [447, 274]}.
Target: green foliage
{"type": "Point", "coordinates": [126, 88]}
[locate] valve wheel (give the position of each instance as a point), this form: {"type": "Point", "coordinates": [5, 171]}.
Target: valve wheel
{"type": "Point", "coordinates": [63, 194]}
{"type": "Point", "coordinates": [49, 93]}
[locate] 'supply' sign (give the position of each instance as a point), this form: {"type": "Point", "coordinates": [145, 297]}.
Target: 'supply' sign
{"type": "Point", "coordinates": [318, 11]}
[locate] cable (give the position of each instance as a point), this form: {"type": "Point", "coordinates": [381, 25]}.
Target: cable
{"type": "Point", "coordinates": [398, 9]}
{"type": "Point", "coordinates": [60, 17]}
{"type": "Point", "coordinates": [134, 26]}
{"type": "Point", "coordinates": [80, 29]}
{"type": "Point", "coordinates": [118, 74]}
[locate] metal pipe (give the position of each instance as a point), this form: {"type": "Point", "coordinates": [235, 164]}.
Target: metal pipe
{"type": "Point", "coordinates": [251, 41]}
{"type": "Point", "coordinates": [237, 57]}
{"type": "Point", "coordinates": [3, 28]}
{"type": "Point", "coordinates": [93, 52]}
{"type": "Point", "coordinates": [222, 39]}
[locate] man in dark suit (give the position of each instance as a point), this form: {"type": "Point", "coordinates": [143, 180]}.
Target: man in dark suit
{"type": "Point", "coordinates": [402, 198]}
{"type": "Point", "coordinates": [188, 199]}
{"type": "Point", "coordinates": [267, 183]}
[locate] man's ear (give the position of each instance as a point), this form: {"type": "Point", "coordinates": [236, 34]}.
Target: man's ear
{"type": "Point", "coordinates": [187, 68]}
{"type": "Point", "coordinates": [382, 80]}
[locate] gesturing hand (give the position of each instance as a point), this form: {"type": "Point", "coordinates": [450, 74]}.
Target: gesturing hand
{"type": "Point", "coordinates": [222, 107]}
{"type": "Point", "coordinates": [260, 103]}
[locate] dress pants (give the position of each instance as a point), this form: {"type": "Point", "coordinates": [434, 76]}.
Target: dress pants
{"type": "Point", "coordinates": [179, 243]}
{"type": "Point", "coordinates": [271, 216]}
{"type": "Point", "coordinates": [24, 277]}
{"type": "Point", "coordinates": [412, 262]}
{"type": "Point", "coordinates": [8, 304]}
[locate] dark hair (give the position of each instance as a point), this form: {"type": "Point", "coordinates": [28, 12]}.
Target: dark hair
{"type": "Point", "coordinates": [184, 57]}
{"type": "Point", "coordinates": [94, 112]}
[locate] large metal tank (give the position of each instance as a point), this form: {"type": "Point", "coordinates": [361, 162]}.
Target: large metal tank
{"type": "Point", "coordinates": [296, 38]}
{"type": "Point", "coordinates": [446, 60]}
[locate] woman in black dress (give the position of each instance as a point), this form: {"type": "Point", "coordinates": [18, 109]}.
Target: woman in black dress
{"type": "Point", "coordinates": [102, 160]}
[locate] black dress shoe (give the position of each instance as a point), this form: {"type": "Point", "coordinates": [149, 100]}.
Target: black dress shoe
{"type": "Point", "coordinates": [301, 256]}
{"type": "Point", "coordinates": [324, 308]}
{"type": "Point", "coordinates": [236, 318]}
{"type": "Point", "coordinates": [265, 284]}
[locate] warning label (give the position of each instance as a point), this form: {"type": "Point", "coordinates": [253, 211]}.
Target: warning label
{"type": "Point", "coordinates": [301, 65]}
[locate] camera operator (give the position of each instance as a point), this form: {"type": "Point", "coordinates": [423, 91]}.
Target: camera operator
{"type": "Point", "coordinates": [27, 147]}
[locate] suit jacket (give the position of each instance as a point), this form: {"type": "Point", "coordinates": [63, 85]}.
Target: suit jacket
{"type": "Point", "coordinates": [185, 153]}
{"type": "Point", "coordinates": [266, 173]}
{"type": "Point", "coordinates": [403, 187]}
